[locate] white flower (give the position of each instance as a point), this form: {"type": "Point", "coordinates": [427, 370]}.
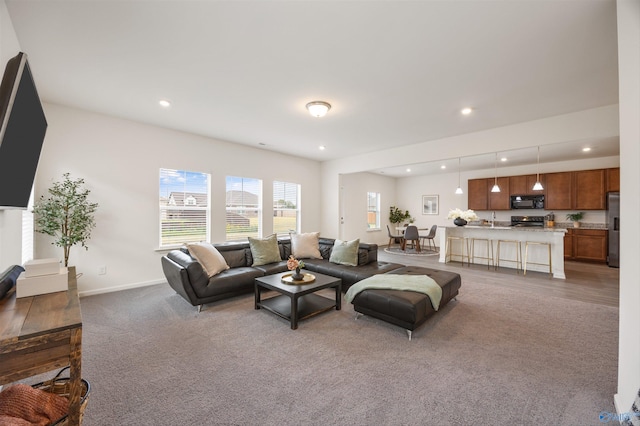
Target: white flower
{"type": "Point", "coordinates": [467, 215]}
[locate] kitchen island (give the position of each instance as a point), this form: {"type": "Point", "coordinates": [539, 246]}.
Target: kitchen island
{"type": "Point", "coordinates": [537, 254]}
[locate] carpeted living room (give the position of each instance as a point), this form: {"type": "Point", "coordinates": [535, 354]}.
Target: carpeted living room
{"type": "Point", "coordinates": [226, 124]}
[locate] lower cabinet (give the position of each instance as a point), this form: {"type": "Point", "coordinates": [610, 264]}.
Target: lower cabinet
{"type": "Point", "coordinates": [587, 245]}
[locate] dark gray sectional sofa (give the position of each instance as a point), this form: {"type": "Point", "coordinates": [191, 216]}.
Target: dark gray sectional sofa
{"type": "Point", "coordinates": [186, 276]}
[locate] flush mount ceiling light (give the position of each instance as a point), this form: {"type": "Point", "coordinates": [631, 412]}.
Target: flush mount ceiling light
{"type": "Point", "coordinates": [466, 111]}
{"type": "Point", "coordinates": [318, 108]}
{"type": "Point", "coordinates": [459, 190]}
{"type": "Point", "coordinates": [496, 188]}
{"type": "Point", "coordinates": [538, 186]}
{"type": "Point", "coordinates": [408, 170]}
{"type": "Point", "coordinates": [322, 147]}
{"type": "Point", "coordinates": [587, 149]}
{"type": "Point", "coordinates": [164, 103]}
{"type": "Point", "coordinates": [443, 167]}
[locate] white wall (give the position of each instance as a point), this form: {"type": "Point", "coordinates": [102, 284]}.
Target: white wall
{"type": "Point", "coordinates": [629, 93]}
{"type": "Point", "coordinates": [354, 206]}
{"type": "Point", "coordinates": [120, 162]}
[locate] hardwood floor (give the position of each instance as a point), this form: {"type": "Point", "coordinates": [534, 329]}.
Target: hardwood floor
{"type": "Point", "coordinates": [586, 282]}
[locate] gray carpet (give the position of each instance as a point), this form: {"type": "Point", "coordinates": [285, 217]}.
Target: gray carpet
{"type": "Point", "coordinates": [495, 357]}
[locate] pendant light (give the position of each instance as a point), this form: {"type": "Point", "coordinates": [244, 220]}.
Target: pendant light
{"type": "Point", "coordinates": [496, 188]}
{"type": "Point", "coordinates": [459, 190]}
{"type": "Point", "coordinates": [538, 186]}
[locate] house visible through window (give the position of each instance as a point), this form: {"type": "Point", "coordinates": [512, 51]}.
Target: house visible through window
{"type": "Point", "coordinates": [286, 207]}
{"type": "Point", "coordinates": [243, 201]}
{"type": "Point", "coordinates": [184, 207]}
{"type": "Point", "coordinates": [373, 210]}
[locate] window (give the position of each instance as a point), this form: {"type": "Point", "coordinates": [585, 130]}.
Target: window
{"type": "Point", "coordinates": [184, 207]}
{"type": "Point", "coordinates": [286, 207]}
{"type": "Point", "coordinates": [243, 208]}
{"type": "Point", "coordinates": [373, 210]}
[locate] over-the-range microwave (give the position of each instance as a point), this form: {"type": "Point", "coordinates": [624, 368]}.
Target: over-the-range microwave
{"type": "Point", "coordinates": [527, 202]}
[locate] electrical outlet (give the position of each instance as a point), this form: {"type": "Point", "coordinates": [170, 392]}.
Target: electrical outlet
{"type": "Point", "coordinates": [102, 270]}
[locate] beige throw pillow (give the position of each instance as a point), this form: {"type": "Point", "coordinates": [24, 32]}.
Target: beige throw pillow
{"type": "Point", "coordinates": [345, 252]}
{"type": "Point", "coordinates": [209, 257]}
{"type": "Point", "coordinates": [264, 250]}
{"type": "Point", "coordinates": [306, 246]}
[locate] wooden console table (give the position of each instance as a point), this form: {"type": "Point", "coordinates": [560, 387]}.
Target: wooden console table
{"type": "Point", "coordinates": [43, 333]}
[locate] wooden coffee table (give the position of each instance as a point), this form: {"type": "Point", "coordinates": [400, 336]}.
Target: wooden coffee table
{"type": "Point", "coordinates": [296, 302]}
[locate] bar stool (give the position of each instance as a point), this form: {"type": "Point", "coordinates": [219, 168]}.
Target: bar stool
{"type": "Point", "coordinates": [526, 255]}
{"type": "Point", "coordinates": [518, 259]}
{"type": "Point", "coordinates": [449, 252]}
{"type": "Point", "coordinates": [472, 253]}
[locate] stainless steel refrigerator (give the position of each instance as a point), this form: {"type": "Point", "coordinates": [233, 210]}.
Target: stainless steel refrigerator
{"type": "Point", "coordinates": [613, 223]}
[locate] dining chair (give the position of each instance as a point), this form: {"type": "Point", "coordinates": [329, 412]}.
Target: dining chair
{"type": "Point", "coordinates": [431, 238]}
{"type": "Point", "coordinates": [393, 238]}
{"type": "Point", "coordinates": [411, 234]}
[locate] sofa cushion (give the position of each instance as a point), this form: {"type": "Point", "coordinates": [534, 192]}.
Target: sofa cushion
{"type": "Point", "coordinates": [345, 252]}
{"type": "Point", "coordinates": [305, 246]}
{"type": "Point", "coordinates": [264, 250]}
{"type": "Point", "coordinates": [209, 257]}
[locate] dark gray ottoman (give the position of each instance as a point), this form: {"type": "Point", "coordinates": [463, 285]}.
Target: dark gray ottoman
{"type": "Point", "coordinates": [407, 309]}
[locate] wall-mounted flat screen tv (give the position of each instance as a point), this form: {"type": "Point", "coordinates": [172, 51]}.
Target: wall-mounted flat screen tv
{"type": "Point", "coordinates": [23, 126]}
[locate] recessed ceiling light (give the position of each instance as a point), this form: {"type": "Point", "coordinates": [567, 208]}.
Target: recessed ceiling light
{"type": "Point", "coordinates": [443, 167]}
{"type": "Point", "coordinates": [503, 159]}
{"type": "Point", "coordinates": [408, 170]}
{"type": "Point", "coordinates": [381, 172]}
{"type": "Point", "coordinates": [164, 103]}
{"type": "Point", "coordinates": [587, 149]}
{"type": "Point", "coordinates": [262, 144]}
{"type": "Point", "coordinates": [322, 147]}
{"type": "Point", "coordinates": [466, 111]}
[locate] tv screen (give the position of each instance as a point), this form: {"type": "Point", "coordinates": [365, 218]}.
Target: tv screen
{"type": "Point", "coordinates": [23, 126]}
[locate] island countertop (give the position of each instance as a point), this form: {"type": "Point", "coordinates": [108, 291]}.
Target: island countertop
{"type": "Point", "coordinates": [537, 256]}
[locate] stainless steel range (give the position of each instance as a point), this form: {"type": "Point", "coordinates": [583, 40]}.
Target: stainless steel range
{"type": "Point", "coordinates": [523, 221]}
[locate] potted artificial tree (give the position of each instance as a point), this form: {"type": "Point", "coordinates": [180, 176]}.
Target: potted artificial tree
{"type": "Point", "coordinates": [397, 216]}
{"type": "Point", "coordinates": [67, 215]}
{"type": "Point", "coordinates": [575, 218]}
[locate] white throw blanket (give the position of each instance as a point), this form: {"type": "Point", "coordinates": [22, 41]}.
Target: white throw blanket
{"type": "Point", "coordinates": [419, 283]}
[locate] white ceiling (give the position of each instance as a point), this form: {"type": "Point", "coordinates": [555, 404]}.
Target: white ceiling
{"type": "Point", "coordinates": [395, 72]}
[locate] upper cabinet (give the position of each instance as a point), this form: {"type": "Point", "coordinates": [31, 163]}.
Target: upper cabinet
{"type": "Point", "coordinates": [523, 185]}
{"type": "Point", "coordinates": [589, 190]}
{"type": "Point", "coordinates": [613, 180]}
{"type": "Point", "coordinates": [559, 191]}
{"type": "Point", "coordinates": [499, 200]}
{"type": "Point", "coordinates": [478, 194]}
{"type": "Point", "coordinates": [580, 190]}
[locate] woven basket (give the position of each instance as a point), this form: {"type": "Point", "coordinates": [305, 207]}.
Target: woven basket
{"type": "Point", "coordinates": [62, 386]}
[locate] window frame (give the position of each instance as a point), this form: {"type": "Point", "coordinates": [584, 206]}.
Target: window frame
{"type": "Point", "coordinates": [377, 225]}
{"type": "Point", "coordinates": [297, 210]}
{"type": "Point", "coordinates": [171, 206]}
{"type": "Point", "coordinates": [244, 207]}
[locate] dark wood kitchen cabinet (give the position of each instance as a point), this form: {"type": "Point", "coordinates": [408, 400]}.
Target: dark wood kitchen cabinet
{"type": "Point", "coordinates": [589, 189]}
{"type": "Point", "coordinates": [586, 245]}
{"type": "Point", "coordinates": [523, 185]}
{"type": "Point", "coordinates": [613, 180]}
{"type": "Point", "coordinates": [499, 200]}
{"type": "Point", "coordinates": [478, 194]}
{"type": "Point", "coordinates": [559, 190]}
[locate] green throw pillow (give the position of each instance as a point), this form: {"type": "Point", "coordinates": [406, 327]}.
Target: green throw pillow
{"type": "Point", "coordinates": [345, 252]}
{"type": "Point", "coordinates": [265, 250]}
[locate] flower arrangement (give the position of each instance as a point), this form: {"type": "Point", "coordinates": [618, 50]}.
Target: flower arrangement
{"type": "Point", "coordinates": [467, 215]}
{"type": "Point", "coordinates": [293, 263]}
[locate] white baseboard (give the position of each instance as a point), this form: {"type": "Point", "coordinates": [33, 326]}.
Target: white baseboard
{"type": "Point", "coordinates": [120, 288]}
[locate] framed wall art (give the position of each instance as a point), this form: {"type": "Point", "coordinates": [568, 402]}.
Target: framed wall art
{"type": "Point", "coordinates": [429, 204]}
